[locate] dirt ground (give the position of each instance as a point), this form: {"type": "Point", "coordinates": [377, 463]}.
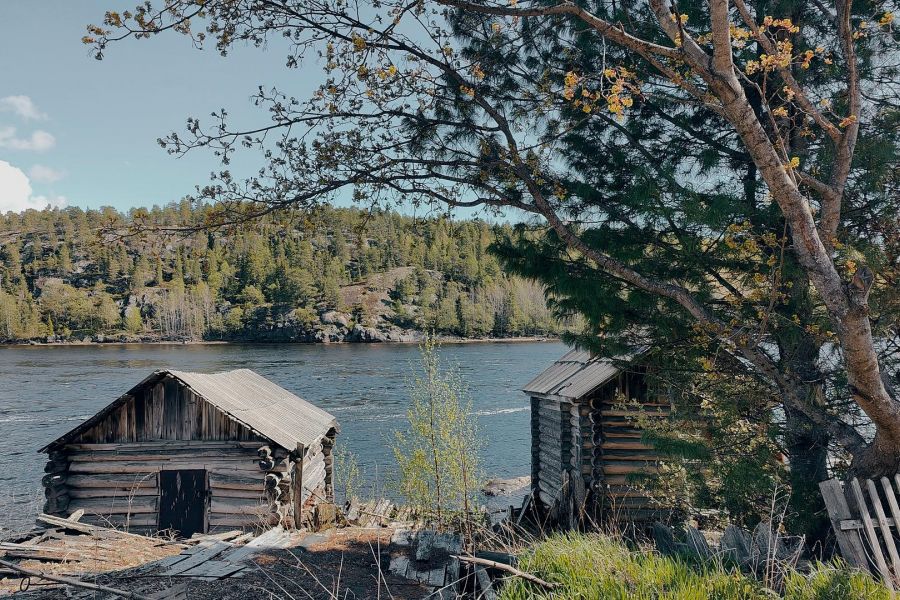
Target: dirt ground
{"type": "Point", "coordinates": [343, 564]}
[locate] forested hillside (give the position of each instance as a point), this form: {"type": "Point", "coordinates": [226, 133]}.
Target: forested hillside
{"type": "Point", "coordinates": [330, 275]}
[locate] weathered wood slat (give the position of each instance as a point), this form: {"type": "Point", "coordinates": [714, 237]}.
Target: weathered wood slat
{"type": "Point", "coordinates": [118, 493]}
{"type": "Point", "coordinates": [258, 494]}
{"type": "Point", "coordinates": [618, 469]}
{"type": "Point", "coordinates": [883, 522]}
{"type": "Point", "coordinates": [164, 445]}
{"type": "Point", "coordinates": [849, 542]}
{"type": "Point", "coordinates": [236, 481]}
{"type": "Point", "coordinates": [874, 544]}
{"type": "Point", "coordinates": [238, 506]}
{"type": "Point", "coordinates": [198, 558]}
{"type": "Point", "coordinates": [622, 445]}
{"type": "Point", "coordinates": [232, 520]}
{"type": "Point", "coordinates": [136, 467]}
{"type": "Point", "coordinates": [115, 506]}
{"type": "Point", "coordinates": [104, 480]}
{"type": "Point", "coordinates": [182, 455]}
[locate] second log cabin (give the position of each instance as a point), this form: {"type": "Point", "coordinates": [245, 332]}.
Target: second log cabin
{"type": "Point", "coordinates": [192, 453]}
{"type": "Point", "coordinates": [587, 453]}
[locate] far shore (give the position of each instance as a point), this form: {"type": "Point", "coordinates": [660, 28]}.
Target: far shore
{"type": "Point", "coordinates": [440, 340]}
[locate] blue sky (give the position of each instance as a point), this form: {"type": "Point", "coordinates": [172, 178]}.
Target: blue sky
{"type": "Point", "coordinates": [83, 132]}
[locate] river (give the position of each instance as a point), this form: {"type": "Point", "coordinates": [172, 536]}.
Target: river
{"type": "Point", "coordinates": [47, 390]}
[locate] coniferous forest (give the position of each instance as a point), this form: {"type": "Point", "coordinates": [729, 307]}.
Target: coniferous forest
{"type": "Point", "coordinates": [333, 274]}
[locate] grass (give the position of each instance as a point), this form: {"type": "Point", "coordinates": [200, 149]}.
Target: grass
{"type": "Point", "coordinates": [595, 566]}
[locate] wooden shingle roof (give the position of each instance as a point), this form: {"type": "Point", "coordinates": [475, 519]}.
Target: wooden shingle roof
{"type": "Point", "coordinates": [575, 375]}
{"type": "Point", "coordinates": [245, 396]}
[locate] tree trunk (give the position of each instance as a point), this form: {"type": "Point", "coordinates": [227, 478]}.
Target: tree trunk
{"type": "Point", "coordinates": [807, 449]}
{"type": "Point", "coordinates": [881, 458]}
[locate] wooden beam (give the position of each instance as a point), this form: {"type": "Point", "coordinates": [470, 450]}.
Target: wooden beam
{"type": "Point", "coordinates": [297, 485]}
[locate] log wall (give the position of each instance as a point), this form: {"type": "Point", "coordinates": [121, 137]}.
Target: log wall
{"type": "Point", "coordinates": [618, 458]}
{"type": "Point", "coordinates": [556, 454]}
{"type": "Point", "coordinates": [594, 444]}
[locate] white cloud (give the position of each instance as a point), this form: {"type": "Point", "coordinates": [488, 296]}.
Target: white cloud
{"type": "Point", "coordinates": [42, 174]}
{"type": "Point", "coordinates": [23, 106]}
{"type": "Point", "coordinates": [39, 140]}
{"type": "Point", "coordinates": [16, 193]}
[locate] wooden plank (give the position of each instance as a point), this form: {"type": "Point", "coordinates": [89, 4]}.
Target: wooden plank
{"type": "Point", "coordinates": [135, 467]}
{"type": "Point", "coordinates": [237, 481]}
{"type": "Point", "coordinates": [103, 480]}
{"type": "Point", "coordinates": [239, 506]}
{"type": "Point", "coordinates": [621, 445]}
{"type": "Point", "coordinates": [115, 493]}
{"type": "Point", "coordinates": [251, 494]}
{"type": "Point", "coordinates": [198, 558]}
{"type": "Point", "coordinates": [213, 569]}
{"type": "Point", "coordinates": [885, 528]}
{"type": "Point", "coordinates": [892, 502]}
{"type": "Point", "coordinates": [116, 506]}
{"type": "Point", "coordinates": [874, 544]}
{"type": "Point", "coordinates": [274, 538]}
{"type": "Point", "coordinates": [243, 521]}
{"type": "Point", "coordinates": [80, 526]}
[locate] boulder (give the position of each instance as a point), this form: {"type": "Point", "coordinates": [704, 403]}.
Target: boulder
{"type": "Point", "coordinates": [333, 317]}
{"type": "Point", "coordinates": [365, 335]}
{"type": "Point", "coordinates": [505, 487]}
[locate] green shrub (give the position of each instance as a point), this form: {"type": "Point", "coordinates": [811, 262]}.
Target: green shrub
{"type": "Point", "coordinates": [833, 581]}
{"type": "Point", "coordinates": [595, 566]}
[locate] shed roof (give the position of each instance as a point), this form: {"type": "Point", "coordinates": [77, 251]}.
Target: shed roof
{"type": "Point", "coordinates": [575, 375]}
{"type": "Point", "coordinates": [247, 397]}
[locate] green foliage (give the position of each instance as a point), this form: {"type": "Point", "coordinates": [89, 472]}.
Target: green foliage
{"type": "Point", "coordinates": [133, 322]}
{"type": "Point", "coordinates": [594, 566]}
{"type": "Point", "coordinates": [832, 581]}
{"type": "Point", "coordinates": [438, 452]}
{"type": "Point", "coordinates": [290, 266]}
{"type": "Point", "coordinates": [347, 474]}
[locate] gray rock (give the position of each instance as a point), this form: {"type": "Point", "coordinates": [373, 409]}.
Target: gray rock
{"type": "Point", "coordinates": [736, 543]}
{"type": "Point", "coordinates": [333, 317]}
{"type": "Point", "coordinates": [664, 538]}
{"type": "Point", "coordinates": [365, 334]}
{"type": "Point", "coordinates": [505, 487]}
{"type": "Point", "coordinates": [697, 544]}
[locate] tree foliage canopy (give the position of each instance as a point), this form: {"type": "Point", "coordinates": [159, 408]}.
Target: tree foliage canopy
{"type": "Point", "coordinates": [728, 165]}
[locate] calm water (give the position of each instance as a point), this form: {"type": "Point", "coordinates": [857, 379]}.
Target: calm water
{"type": "Point", "coordinates": [45, 391]}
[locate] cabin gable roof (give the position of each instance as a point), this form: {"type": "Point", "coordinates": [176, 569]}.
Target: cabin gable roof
{"type": "Point", "coordinates": [243, 395]}
{"type": "Point", "coordinates": [576, 374]}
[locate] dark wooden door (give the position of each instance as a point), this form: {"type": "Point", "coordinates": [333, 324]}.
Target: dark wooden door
{"type": "Point", "coordinates": [182, 501]}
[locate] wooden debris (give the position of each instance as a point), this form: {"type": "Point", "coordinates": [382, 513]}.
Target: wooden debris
{"type": "Point", "coordinates": [484, 583]}
{"type": "Point", "coordinates": [71, 581]}
{"type": "Point", "coordinates": [508, 569]}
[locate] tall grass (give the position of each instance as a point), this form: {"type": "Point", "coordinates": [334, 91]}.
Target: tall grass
{"type": "Point", "coordinates": [595, 566]}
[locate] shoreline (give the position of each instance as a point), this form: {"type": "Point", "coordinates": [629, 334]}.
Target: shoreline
{"type": "Point", "coordinates": [439, 340]}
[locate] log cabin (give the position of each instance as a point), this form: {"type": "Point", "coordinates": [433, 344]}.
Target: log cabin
{"type": "Point", "coordinates": [193, 453]}
{"type": "Point", "coordinates": [587, 454]}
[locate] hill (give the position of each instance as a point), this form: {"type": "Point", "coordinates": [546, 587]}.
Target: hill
{"type": "Point", "coordinates": [336, 274]}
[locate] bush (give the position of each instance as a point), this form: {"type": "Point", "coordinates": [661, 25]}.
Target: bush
{"type": "Point", "coordinates": [438, 452]}
{"type": "Point", "coordinates": [591, 566]}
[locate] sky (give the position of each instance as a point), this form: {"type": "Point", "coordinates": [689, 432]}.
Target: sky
{"type": "Point", "coordinates": [75, 131]}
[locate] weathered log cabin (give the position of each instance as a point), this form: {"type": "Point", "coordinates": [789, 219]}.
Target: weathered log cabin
{"type": "Point", "coordinates": [586, 450]}
{"type": "Point", "coordinates": [193, 452]}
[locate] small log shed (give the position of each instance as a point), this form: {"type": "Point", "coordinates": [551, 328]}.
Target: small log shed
{"type": "Point", "coordinates": [586, 449]}
{"type": "Point", "coordinates": [192, 453]}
